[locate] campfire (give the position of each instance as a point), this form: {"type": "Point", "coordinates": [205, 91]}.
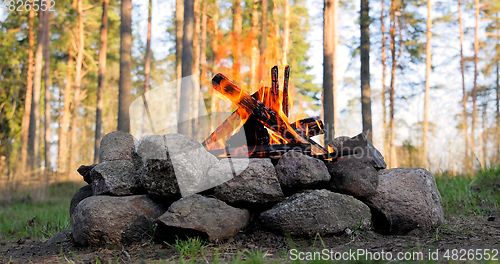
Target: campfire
{"type": "Point", "coordinates": [262, 120]}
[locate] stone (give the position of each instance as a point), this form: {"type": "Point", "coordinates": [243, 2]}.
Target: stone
{"type": "Point", "coordinates": [364, 150]}
{"type": "Point", "coordinates": [353, 177]}
{"type": "Point", "coordinates": [316, 212]}
{"type": "Point", "coordinates": [208, 217]}
{"type": "Point", "coordinates": [61, 236]}
{"type": "Point", "coordinates": [116, 146]}
{"type": "Point", "coordinates": [296, 171]}
{"type": "Point", "coordinates": [81, 194]}
{"type": "Point", "coordinates": [117, 177]}
{"type": "Point", "coordinates": [85, 172]}
{"type": "Point", "coordinates": [254, 183]}
{"type": "Point", "coordinates": [112, 220]}
{"type": "Point", "coordinates": [407, 199]}
{"type": "Point", "coordinates": [173, 164]}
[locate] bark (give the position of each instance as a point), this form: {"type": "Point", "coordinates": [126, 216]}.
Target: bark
{"type": "Point", "coordinates": [237, 47]}
{"type": "Point", "coordinates": [392, 33]}
{"type": "Point", "coordinates": [214, 104]}
{"type": "Point", "coordinates": [101, 79]}
{"type": "Point", "coordinates": [28, 98]}
{"type": "Point", "coordinates": [147, 61]}
{"type": "Point", "coordinates": [46, 48]}
{"type": "Point", "coordinates": [464, 92]}
{"type": "Point", "coordinates": [474, 89]}
{"type": "Point", "coordinates": [125, 82]}
{"type": "Point", "coordinates": [428, 65]}
{"type": "Point", "coordinates": [35, 103]}
{"type": "Point", "coordinates": [329, 85]}
{"type": "Point", "coordinates": [254, 60]}
{"type": "Point", "coordinates": [187, 61]}
{"type": "Point", "coordinates": [203, 49]}
{"type": "Point", "coordinates": [263, 37]}
{"type": "Point", "coordinates": [366, 102]}
{"type": "Point", "coordinates": [196, 68]}
{"type": "Point", "coordinates": [384, 90]}
{"type": "Point", "coordinates": [179, 24]}
{"type": "Point", "coordinates": [78, 82]}
{"type": "Point", "coordinates": [498, 93]}
{"type": "Point", "coordinates": [484, 143]}
{"type": "Point", "coordinates": [286, 30]}
{"type": "Point", "coordinates": [62, 156]}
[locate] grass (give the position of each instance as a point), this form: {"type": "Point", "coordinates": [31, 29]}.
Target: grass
{"type": "Point", "coordinates": [22, 216]}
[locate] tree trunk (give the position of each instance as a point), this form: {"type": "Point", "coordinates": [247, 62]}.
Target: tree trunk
{"type": "Point", "coordinates": [62, 156]}
{"type": "Point", "coordinates": [46, 48]}
{"type": "Point", "coordinates": [203, 50]}
{"type": "Point", "coordinates": [125, 82]}
{"type": "Point", "coordinates": [28, 98]}
{"type": "Point", "coordinates": [498, 93]}
{"type": "Point", "coordinates": [196, 68]}
{"type": "Point", "coordinates": [237, 47]}
{"type": "Point", "coordinates": [263, 38]}
{"type": "Point", "coordinates": [464, 92]}
{"type": "Point", "coordinates": [428, 65]}
{"type": "Point", "coordinates": [35, 103]}
{"type": "Point", "coordinates": [215, 105]}
{"type": "Point", "coordinates": [329, 48]}
{"type": "Point", "coordinates": [484, 156]}
{"type": "Point", "coordinates": [78, 83]}
{"type": "Point", "coordinates": [384, 90]}
{"type": "Point", "coordinates": [392, 32]}
{"type": "Point", "coordinates": [254, 60]}
{"type": "Point", "coordinates": [366, 101]}
{"type": "Point", "coordinates": [474, 89]}
{"type": "Point", "coordinates": [187, 61]}
{"type": "Point", "coordinates": [147, 61]}
{"type": "Point", "coordinates": [286, 30]}
{"type": "Point", "coordinates": [101, 78]}
{"type": "Point", "coordinates": [179, 24]}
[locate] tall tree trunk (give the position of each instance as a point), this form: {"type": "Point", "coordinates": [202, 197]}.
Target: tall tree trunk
{"type": "Point", "coordinates": [101, 78]}
{"type": "Point", "coordinates": [46, 48]}
{"type": "Point", "coordinates": [474, 89]}
{"type": "Point", "coordinates": [125, 82]}
{"type": "Point", "coordinates": [263, 38]}
{"type": "Point", "coordinates": [78, 83]}
{"type": "Point", "coordinates": [464, 92]}
{"type": "Point", "coordinates": [62, 156]}
{"type": "Point", "coordinates": [329, 49]}
{"type": "Point", "coordinates": [366, 101]}
{"type": "Point", "coordinates": [392, 33]}
{"type": "Point", "coordinates": [384, 90]}
{"type": "Point", "coordinates": [203, 50]}
{"type": "Point", "coordinates": [286, 30]}
{"type": "Point", "coordinates": [254, 60]}
{"type": "Point", "coordinates": [196, 67]}
{"type": "Point", "coordinates": [498, 92]}
{"type": "Point", "coordinates": [28, 98]}
{"type": "Point", "coordinates": [428, 65]}
{"type": "Point", "coordinates": [187, 61]}
{"type": "Point", "coordinates": [484, 143]}
{"type": "Point", "coordinates": [35, 103]}
{"type": "Point", "coordinates": [147, 61]}
{"type": "Point", "coordinates": [179, 29]}
{"type": "Point", "coordinates": [215, 105]}
{"type": "Point", "coordinates": [237, 47]}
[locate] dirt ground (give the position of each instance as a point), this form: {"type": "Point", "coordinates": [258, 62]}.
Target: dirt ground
{"type": "Point", "coordinates": [457, 233]}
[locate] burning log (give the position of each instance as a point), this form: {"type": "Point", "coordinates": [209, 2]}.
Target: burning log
{"type": "Point", "coordinates": [275, 150]}
{"type": "Point", "coordinates": [284, 106]}
{"type": "Point", "coordinates": [311, 126]}
{"type": "Point", "coordinates": [263, 113]}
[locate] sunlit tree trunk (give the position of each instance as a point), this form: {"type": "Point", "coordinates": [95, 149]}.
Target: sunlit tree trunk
{"type": "Point", "coordinates": [428, 65]}
{"type": "Point", "coordinates": [263, 38]}
{"type": "Point", "coordinates": [329, 49]}
{"type": "Point", "coordinates": [196, 67]}
{"type": "Point", "coordinates": [203, 49]}
{"type": "Point", "coordinates": [62, 156]}
{"type": "Point", "coordinates": [484, 143]}
{"type": "Point", "coordinates": [498, 93]}
{"type": "Point", "coordinates": [125, 82]}
{"type": "Point", "coordinates": [464, 92]}
{"type": "Point", "coordinates": [392, 33]}
{"type": "Point", "coordinates": [28, 98]}
{"type": "Point", "coordinates": [46, 48]}
{"type": "Point", "coordinates": [101, 78]}
{"type": "Point", "coordinates": [384, 90]}
{"type": "Point", "coordinates": [286, 30]}
{"type": "Point", "coordinates": [179, 24]}
{"type": "Point", "coordinates": [147, 61]}
{"type": "Point", "coordinates": [254, 59]}
{"type": "Point", "coordinates": [366, 102]}
{"type": "Point", "coordinates": [33, 145]}
{"type": "Point", "coordinates": [237, 47]}
{"type": "Point", "coordinates": [187, 70]}
{"type": "Point", "coordinates": [215, 105]}
{"type": "Point", "coordinates": [78, 83]}
{"type": "Point", "coordinates": [474, 89]}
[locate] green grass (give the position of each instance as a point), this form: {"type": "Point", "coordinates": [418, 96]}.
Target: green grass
{"type": "Point", "coordinates": [22, 216]}
{"type": "Point", "coordinates": [471, 195]}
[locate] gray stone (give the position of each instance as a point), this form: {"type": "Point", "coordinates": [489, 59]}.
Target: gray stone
{"type": "Point", "coordinates": [61, 236]}
{"type": "Point", "coordinates": [316, 212]}
{"type": "Point", "coordinates": [407, 199]}
{"type": "Point", "coordinates": [256, 182]}
{"type": "Point", "coordinates": [100, 220]}
{"type": "Point", "coordinates": [208, 216]}
{"type": "Point", "coordinates": [364, 149]}
{"type": "Point", "coordinates": [85, 172]}
{"type": "Point", "coordinates": [297, 171]}
{"type": "Point", "coordinates": [173, 164]}
{"type": "Point", "coordinates": [117, 177]}
{"type": "Point", "coordinates": [353, 177]}
{"type": "Point", "coordinates": [81, 194]}
{"type": "Point", "coordinates": [116, 146]}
